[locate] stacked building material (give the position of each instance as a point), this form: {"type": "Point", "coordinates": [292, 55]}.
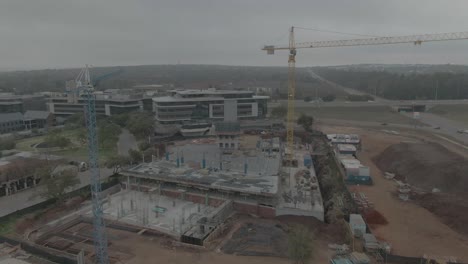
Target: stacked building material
{"type": "Point", "coordinates": [359, 258]}
{"type": "Point", "coordinates": [362, 202]}
{"type": "Point", "coordinates": [370, 243]}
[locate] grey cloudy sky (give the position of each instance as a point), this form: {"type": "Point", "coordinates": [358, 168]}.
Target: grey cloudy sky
{"type": "Point", "coordinates": [70, 33]}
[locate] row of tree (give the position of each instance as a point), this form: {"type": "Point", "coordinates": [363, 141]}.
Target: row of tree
{"type": "Point", "coordinates": [409, 86]}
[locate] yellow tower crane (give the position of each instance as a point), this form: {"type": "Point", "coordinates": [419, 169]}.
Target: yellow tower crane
{"type": "Point", "coordinates": [293, 47]}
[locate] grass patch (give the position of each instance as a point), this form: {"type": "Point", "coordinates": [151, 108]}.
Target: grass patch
{"type": "Point", "coordinates": [81, 153]}
{"type": "Point", "coordinates": [7, 225]}
{"type": "Point", "coordinates": [77, 151]}
{"type": "Point", "coordinates": [381, 114]}
{"type": "Point", "coordinates": [457, 113]}
{"type": "Point", "coordinates": [25, 144]}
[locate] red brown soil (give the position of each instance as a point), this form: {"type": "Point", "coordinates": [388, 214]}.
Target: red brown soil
{"type": "Point", "coordinates": [49, 214]}
{"type": "Point", "coordinates": [453, 210]}
{"type": "Point", "coordinates": [426, 165]}
{"type": "Point", "coordinates": [412, 230]}
{"type": "Point", "coordinates": [373, 217]}
{"type": "Point", "coordinates": [332, 233]}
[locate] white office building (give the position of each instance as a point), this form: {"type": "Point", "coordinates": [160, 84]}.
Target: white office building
{"type": "Point", "coordinates": [184, 106]}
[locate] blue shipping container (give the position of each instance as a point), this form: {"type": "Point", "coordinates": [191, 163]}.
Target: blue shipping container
{"type": "Point", "coordinates": [307, 160]}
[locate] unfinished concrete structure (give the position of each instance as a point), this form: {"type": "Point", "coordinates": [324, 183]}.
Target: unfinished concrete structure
{"type": "Point", "coordinates": [199, 174]}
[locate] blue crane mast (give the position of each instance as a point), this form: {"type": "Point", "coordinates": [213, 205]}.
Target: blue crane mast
{"type": "Point", "coordinates": [86, 88]}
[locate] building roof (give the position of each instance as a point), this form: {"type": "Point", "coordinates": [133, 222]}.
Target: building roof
{"type": "Point", "coordinates": [10, 102]}
{"type": "Point", "coordinates": [346, 147]}
{"type": "Point", "coordinates": [7, 117]}
{"type": "Point", "coordinates": [341, 260]}
{"type": "Point", "coordinates": [179, 99]}
{"type": "Point", "coordinates": [359, 258]}
{"type": "Point", "coordinates": [32, 114]}
{"type": "Point", "coordinates": [210, 91]}
{"type": "Point", "coordinates": [356, 219]}
{"type": "Point", "coordinates": [370, 238]}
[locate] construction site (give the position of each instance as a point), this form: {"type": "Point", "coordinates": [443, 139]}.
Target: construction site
{"type": "Point", "coordinates": [189, 195]}
{"type": "Point", "coordinates": [226, 186]}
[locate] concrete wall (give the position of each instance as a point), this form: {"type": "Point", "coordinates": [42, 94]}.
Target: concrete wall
{"type": "Point", "coordinates": [230, 110]}
{"type": "Point", "coordinates": [256, 209]}
{"type": "Point", "coordinates": [294, 211]}
{"type": "Point", "coordinates": [242, 207]}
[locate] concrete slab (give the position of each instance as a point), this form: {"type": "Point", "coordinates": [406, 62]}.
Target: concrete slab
{"type": "Point", "coordinates": [301, 192]}
{"type": "Point", "coordinates": [154, 211]}
{"type": "Point", "coordinates": [246, 171]}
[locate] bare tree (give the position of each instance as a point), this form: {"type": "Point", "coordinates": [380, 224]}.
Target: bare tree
{"type": "Point", "coordinates": [300, 244]}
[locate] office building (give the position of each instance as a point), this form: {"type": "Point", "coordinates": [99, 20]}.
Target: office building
{"type": "Point", "coordinates": [185, 106]}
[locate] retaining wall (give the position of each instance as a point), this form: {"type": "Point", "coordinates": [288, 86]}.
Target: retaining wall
{"type": "Point", "coordinates": [243, 207]}
{"type": "Point", "coordinates": [41, 251]}
{"type": "Point", "coordinates": [256, 209]}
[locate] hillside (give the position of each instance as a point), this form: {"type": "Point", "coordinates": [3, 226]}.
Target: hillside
{"type": "Point", "coordinates": [426, 165]}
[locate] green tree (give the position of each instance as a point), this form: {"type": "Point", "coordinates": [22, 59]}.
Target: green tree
{"type": "Point", "coordinates": [300, 244]}
{"type": "Point", "coordinates": [135, 156]}
{"type": "Point", "coordinates": [120, 119]}
{"type": "Point", "coordinates": [57, 183]}
{"type": "Point", "coordinates": [75, 121]}
{"type": "Point", "coordinates": [141, 124]}
{"type": "Point", "coordinates": [108, 134]}
{"type": "Point", "coordinates": [6, 144]}
{"type": "Point", "coordinates": [306, 122]}
{"type": "Point", "coordinates": [144, 145]}
{"type": "Point", "coordinates": [116, 162]}
{"type": "Point", "coordinates": [279, 111]}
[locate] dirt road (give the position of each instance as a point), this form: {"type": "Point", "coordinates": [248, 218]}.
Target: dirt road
{"type": "Point", "coordinates": [411, 229]}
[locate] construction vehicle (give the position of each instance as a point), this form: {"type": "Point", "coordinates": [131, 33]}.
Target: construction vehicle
{"type": "Point", "coordinates": [293, 47]}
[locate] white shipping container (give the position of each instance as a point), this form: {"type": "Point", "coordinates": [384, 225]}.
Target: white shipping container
{"type": "Point", "coordinates": [364, 171]}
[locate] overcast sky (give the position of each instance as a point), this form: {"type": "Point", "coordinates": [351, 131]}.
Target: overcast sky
{"type": "Point", "coordinates": [71, 33]}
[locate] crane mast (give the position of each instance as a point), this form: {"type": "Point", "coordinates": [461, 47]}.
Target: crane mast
{"type": "Point", "coordinates": [293, 46]}
{"type": "Point", "coordinates": [86, 88]}
{"type": "Point", "coordinates": [291, 95]}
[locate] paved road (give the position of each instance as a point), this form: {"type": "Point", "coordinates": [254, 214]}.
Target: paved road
{"type": "Point", "coordinates": [126, 142]}
{"type": "Point", "coordinates": [30, 197]}
{"type": "Point", "coordinates": [301, 103]}
{"type": "Point", "coordinates": [447, 126]}
{"type": "Point", "coordinates": [346, 89]}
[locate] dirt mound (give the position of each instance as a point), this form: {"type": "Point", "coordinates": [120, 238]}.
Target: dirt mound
{"type": "Point", "coordinates": [266, 239]}
{"type": "Point", "coordinates": [373, 217]}
{"type": "Point", "coordinates": [453, 210]}
{"type": "Point", "coordinates": [426, 165]}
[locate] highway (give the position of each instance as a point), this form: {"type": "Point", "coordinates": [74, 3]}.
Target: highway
{"type": "Point", "coordinates": [394, 103]}
{"type": "Point", "coordinates": [446, 126]}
